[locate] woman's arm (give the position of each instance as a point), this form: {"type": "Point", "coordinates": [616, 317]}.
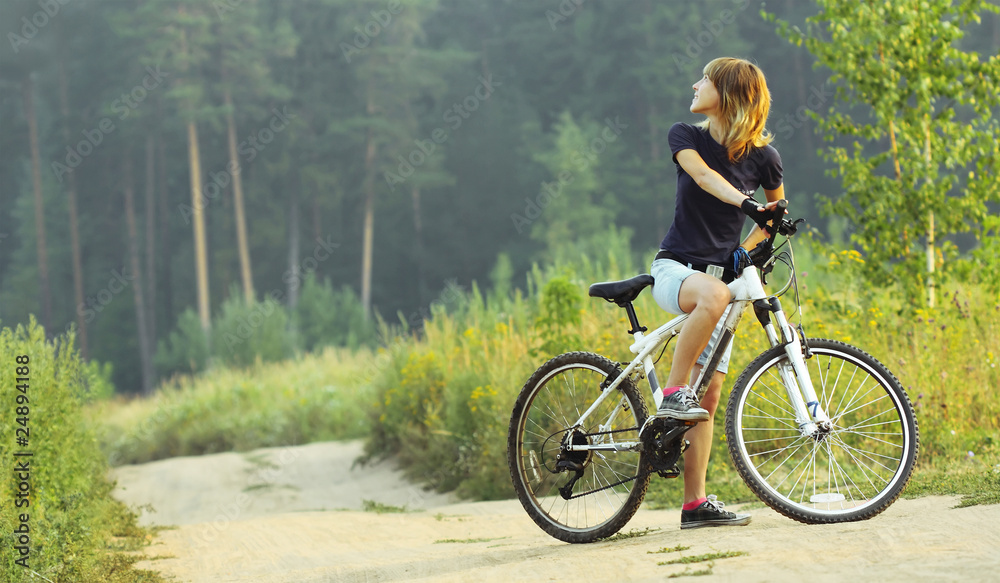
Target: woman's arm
{"type": "Point", "coordinates": [713, 183]}
{"type": "Point", "coordinates": [709, 180]}
{"type": "Point", "coordinates": [757, 234]}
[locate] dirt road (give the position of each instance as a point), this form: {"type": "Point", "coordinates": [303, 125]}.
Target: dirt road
{"type": "Point", "coordinates": [294, 515]}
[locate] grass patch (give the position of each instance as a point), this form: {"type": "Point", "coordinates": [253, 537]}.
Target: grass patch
{"type": "Point", "coordinates": [468, 540]}
{"type": "Point", "coordinates": [379, 508]}
{"type": "Point", "coordinates": [634, 533]}
{"type": "Point", "coordinates": [676, 549]}
{"type": "Point", "coordinates": [975, 482]}
{"type": "Point", "coordinates": [703, 558]}
{"type": "Point", "coordinates": [316, 397]}
{"type": "Point", "coordinates": [689, 573]}
{"type": "Point", "coordinates": [269, 486]}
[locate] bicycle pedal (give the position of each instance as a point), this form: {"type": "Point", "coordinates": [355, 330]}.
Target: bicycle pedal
{"type": "Point", "coordinates": [671, 473]}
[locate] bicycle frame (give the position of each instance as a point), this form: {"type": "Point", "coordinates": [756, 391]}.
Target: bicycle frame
{"type": "Point", "coordinates": [746, 289]}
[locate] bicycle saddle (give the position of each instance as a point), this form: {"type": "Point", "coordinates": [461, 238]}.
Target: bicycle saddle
{"type": "Point", "coordinates": [621, 292]}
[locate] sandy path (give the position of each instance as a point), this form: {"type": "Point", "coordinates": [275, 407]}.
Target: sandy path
{"type": "Point", "coordinates": [240, 525]}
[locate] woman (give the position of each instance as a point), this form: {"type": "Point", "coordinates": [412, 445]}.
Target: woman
{"type": "Point", "coordinates": [720, 164]}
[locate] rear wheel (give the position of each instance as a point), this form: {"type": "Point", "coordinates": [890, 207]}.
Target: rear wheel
{"type": "Point", "coordinates": [576, 496]}
{"type": "Point", "coordinates": [853, 471]}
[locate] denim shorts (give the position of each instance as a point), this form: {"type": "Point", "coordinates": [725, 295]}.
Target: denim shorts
{"type": "Point", "coordinates": [668, 275]}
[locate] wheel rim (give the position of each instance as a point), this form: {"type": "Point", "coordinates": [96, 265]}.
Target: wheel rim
{"type": "Point", "coordinates": [856, 465]}
{"type": "Point", "coordinates": [553, 408]}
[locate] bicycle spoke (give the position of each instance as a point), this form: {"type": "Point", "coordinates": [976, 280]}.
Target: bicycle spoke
{"type": "Point", "coordinates": [861, 466]}
{"type": "Point", "coordinates": [869, 450]}
{"type": "Point", "coordinates": [550, 419]}
{"type": "Point", "coordinates": [868, 455]}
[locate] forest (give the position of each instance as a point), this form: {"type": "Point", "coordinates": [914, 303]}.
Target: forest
{"type": "Point", "coordinates": [189, 182]}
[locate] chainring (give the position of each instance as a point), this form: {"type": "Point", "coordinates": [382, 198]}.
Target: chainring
{"type": "Point", "coordinates": [662, 445]}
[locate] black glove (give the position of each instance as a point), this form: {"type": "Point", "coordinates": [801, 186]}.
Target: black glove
{"type": "Point", "coordinates": [750, 206]}
{"type": "Point", "coordinates": [741, 260]}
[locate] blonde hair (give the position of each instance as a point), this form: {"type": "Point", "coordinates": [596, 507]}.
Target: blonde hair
{"type": "Point", "coordinates": [744, 103]}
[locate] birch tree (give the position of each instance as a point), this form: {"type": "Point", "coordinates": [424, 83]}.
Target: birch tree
{"type": "Point", "coordinates": [925, 155]}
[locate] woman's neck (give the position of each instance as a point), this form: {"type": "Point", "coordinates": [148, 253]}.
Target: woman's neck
{"type": "Point", "coordinates": [715, 129]}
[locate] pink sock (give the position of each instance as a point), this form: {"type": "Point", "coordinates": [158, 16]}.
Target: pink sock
{"type": "Point", "coordinates": [694, 504]}
{"type": "Point", "coordinates": [670, 391]}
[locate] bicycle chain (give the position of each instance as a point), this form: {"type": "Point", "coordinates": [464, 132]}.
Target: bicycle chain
{"type": "Point", "coordinates": [620, 482]}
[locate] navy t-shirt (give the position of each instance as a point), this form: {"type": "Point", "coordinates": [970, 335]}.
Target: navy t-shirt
{"type": "Point", "coordinates": [706, 229]}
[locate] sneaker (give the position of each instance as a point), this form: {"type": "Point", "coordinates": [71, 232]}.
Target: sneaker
{"type": "Point", "coordinates": [682, 405]}
{"type": "Point", "coordinates": [711, 513]}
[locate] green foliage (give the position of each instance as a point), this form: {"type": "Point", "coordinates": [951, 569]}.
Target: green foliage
{"type": "Point", "coordinates": [662, 550]}
{"type": "Point", "coordinates": [985, 261]}
{"type": "Point", "coordinates": [632, 533]}
{"type": "Point", "coordinates": [243, 333]}
{"type": "Point", "coordinates": [75, 527]}
{"type": "Point", "coordinates": [415, 87]}
{"type": "Point", "coordinates": [976, 482]}
{"type": "Point", "coordinates": [185, 350]}
{"type": "Point", "coordinates": [921, 114]}
{"type": "Point", "coordinates": [328, 317]}
{"type": "Point", "coordinates": [558, 315]}
{"type": "Point", "coordinates": [97, 380]}
{"type": "Point", "coordinates": [320, 396]}
{"type": "Point", "coordinates": [380, 508]}
{"type": "Point", "coordinates": [703, 558]}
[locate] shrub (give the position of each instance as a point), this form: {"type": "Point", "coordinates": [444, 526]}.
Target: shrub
{"type": "Point", "coordinates": [73, 523]}
{"type": "Point", "coordinates": [185, 350]}
{"type": "Point", "coordinates": [242, 332]}
{"type": "Point", "coordinates": [326, 317]}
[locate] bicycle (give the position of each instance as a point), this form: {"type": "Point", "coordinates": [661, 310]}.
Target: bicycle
{"type": "Point", "coordinates": [581, 465]}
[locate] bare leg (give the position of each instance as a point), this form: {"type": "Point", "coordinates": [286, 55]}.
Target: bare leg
{"type": "Point", "coordinates": [700, 436]}
{"type": "Point", "coordinates": [704, 298]}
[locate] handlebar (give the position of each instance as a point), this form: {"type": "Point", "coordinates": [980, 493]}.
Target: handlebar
{"type": "Point", "coordinates": [778, 225]}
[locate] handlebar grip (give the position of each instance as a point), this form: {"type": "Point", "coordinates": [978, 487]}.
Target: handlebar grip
{"type": "Point", "coordinates": [777, 217]}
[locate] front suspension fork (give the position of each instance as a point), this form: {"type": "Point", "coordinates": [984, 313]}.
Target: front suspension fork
{"type": "Point", "coordinates": [809, 413]}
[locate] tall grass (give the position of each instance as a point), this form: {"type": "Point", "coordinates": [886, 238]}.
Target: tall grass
{"type": "Point", "coordinates": [61, 504]}
{"type": "Point", "coordinates": [444, 400]}
{"type": "Point", "coordinates": [440, 399]}
{"type": "Point", "coordinates": [319, 396]}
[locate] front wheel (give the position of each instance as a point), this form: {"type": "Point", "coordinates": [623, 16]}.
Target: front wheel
{"type": "Point", "coordinates": [577, 496]}
{"type": "Point", "coordinates": [854, 470]}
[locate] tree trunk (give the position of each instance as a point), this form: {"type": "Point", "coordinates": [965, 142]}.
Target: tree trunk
{"type": "Point", "coordinates": [151, 235]}
{"type": "Point", "coordinates": [36, 176]}
{"type": "Point", "coordinates": [164, 226]}
{"type": "Point", "coordinates": [800, 81]}
{"type": "Point", "coordinates": [654, 162]}
{"type": "Point", "coordinates": [145, 353]}
{"type": "Point", "coordinates": [317, 223]}
{"type": "Point", "coordinates": [74, 227]}
{"type": "Point", "coordinates": [295, 281]}
{"type": "Point", "coordinates": [198, 216]}
{"type": "Point", "coordinates": [369, 226]}
{"type": "Point", "coordinates": [418, 245]}
{"type": "Point", "coordinates": [241, 221]}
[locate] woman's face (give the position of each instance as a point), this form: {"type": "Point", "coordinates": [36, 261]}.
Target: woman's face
{"type": "Point", "coordinates": [706, 97]}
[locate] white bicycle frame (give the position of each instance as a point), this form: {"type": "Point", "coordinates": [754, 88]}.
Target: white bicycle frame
{"type": "Point", "coordinates": [745, 289]}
